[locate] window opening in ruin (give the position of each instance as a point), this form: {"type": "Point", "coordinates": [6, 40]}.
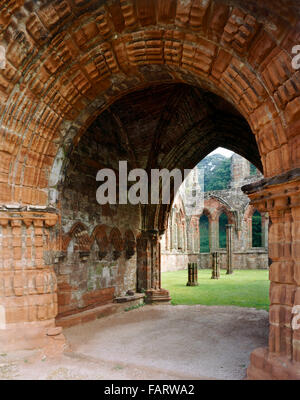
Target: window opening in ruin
{"type": "Point", "coordinates": [256, 229]}
{"type": "Point", "coordinates": [223, 221]}
{"type": "Point", "coordinates": [204, 234]}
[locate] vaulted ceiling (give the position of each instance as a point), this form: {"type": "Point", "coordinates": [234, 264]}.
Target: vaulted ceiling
{"type": "Point", "coordinates": [171, 126]}
{"type": "Point", "coordinates": [69, 61]}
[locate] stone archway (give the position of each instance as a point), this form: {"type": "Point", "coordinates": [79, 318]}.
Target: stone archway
{"type": "Point", "coordinates": [68, 62]}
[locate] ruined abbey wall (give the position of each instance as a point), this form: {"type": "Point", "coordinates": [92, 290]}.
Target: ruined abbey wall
{"type": "Point", "coordinates": [98, 258]}
{"type": "Point", "coordinates": [181, 244]}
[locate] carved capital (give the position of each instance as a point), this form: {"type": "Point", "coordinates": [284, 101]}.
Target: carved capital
{"type": "Point", "coordinates": [274, 194]}
{"type": "Point", "coordinates": [28, 218]}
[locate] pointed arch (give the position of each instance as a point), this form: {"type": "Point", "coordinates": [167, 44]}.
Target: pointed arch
{"type": "Point", "coordinates": [79, 232]}
{"type": "Point", "coordinates": [100, 236]}
{"type": "Point", "coordinates": [129, 244]}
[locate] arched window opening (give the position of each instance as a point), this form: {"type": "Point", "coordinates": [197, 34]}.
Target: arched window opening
{"type": "Point", "coordinates": [257, 229]}
{"type": "Point", "coordinates": [223, 221]}
{"type": "Point", "coordinates": [204, 234]}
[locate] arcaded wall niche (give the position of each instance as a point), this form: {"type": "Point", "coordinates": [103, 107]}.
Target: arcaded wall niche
{"type": "Point", "coordinates": [98, 257]}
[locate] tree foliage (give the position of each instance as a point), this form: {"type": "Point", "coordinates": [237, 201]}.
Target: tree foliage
{"type": "Point", "coordinates": [223, 221]}
{"type": "Point", "coordinates": [256, 230]}
{"type": "Point", "coordinates": [253, 170]}
{"type": "Point", "coordinates": [204, 234]}
{"type": "Point", "coordinates": [217, 172]}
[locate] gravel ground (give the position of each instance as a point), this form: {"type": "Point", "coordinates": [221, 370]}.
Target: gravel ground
{"type": "Point", "coordinates": [152, 342]}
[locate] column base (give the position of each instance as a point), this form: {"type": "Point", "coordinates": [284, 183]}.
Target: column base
{"type": "Point", "coordinates": [192, 284]}
{"type": "Point", "coordinates": [267, 366]}
{"type": "Point", "coordinates": [160, 296]}
{"type": "Point", "coordinates": [43, 336]}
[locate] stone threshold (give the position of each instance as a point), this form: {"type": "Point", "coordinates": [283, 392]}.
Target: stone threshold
{"type": "Point", "coordinates": [101, 311]}
{"type": "Point", "coordinates": [128, 299]}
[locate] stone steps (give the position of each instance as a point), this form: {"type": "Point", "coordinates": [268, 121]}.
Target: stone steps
{"type": "Point", "coordinates": [119, 305]}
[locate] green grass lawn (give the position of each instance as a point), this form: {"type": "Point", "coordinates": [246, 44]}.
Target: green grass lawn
{"type": "Point", "coordinates": [245, 288]}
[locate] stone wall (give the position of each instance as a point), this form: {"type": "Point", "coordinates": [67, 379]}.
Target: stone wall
{"type": "Point", "coordinates": [98, 258]}
{"type": "Point", "coordinates": [177, 261]}
{"type": "Point", "coordinates": [252, 259]}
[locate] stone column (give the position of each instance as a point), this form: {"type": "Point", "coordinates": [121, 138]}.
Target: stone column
{"type": "Point", "coordinates": [193, 238]}
{"type": "Point", "coordinates": [197, 234]}
{"type": "Point", "coordinates": [249, 222]}
{"type": "Point", "coordinates": [170, 243]}
{"type": "Point", "coordinates": [149, 268]}
{"type": "Point", "coordinates": [215, 265]}
{"type": "Point", "coordinates": [143, 262]}
{"type": "Point", "coordinates": [184, 237]}
{"type": "Point", "coordinates": [280, 197]}
{"type": "Point", "coordinates": [28, 298]}
{"type": "Point", "coordinates": [174, 235]}
{"type": "Point", "coordinates": [229, 238]}
{"type": "Point", "coordinates": [166, 240]}
{"type": "Point", "coordinates": [213, 234]}
{"type": "Point", "coordinates": [265, 231]}
{"type": "Point", "coordinates": [192, 274]}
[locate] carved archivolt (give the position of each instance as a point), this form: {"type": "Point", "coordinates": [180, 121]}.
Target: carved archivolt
{"type": "Point", "coordinates": [100, 236]}
{"type": "Point", "coordinates": [129, 244]}
{"type": "Point", "coordinates": [116, 242]}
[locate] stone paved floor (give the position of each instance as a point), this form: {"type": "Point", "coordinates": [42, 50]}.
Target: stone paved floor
{"type": "Point", "coordinates": [160, 342]}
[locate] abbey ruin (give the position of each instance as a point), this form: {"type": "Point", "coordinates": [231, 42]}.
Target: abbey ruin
{"type": "Point", "coordinates": [181, 243]}
{"type": "Point", "coordinates": [161, 84]}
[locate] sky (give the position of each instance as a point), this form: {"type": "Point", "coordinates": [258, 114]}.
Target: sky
{"type": "Point", "coordinates": [224, 152]}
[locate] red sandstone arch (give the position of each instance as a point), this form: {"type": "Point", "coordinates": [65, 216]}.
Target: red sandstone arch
{"type": "Point", "coordinates": [129, 243]}
{"type": "Point", "coordinates": [207, 213]}
{"type": "Point", "coordinates": [228, 213]}
{"type": "Point", "coordinates": [115, 239]}
{"type": "Point", "coordinates": [250, 210]}
{"type": "Point", "coordinates": [100, 236]}
{"type": "Point", "coordinates": [78, 232]}
{"type": "Point", "coordinates": [71, 76]}
{"type": "Point", "coordinates": [66, 65]}
{"type": "Point", "coordinates": [218, 206]}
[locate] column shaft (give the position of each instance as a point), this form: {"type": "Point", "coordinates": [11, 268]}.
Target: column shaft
{"type": "Point", "coordinates": [229, 245]}
{"type": "Point", "coordinates": [28, 298]}
{"type": "Point", "coordinates": [149, 268]}
{"type": "Point", "coordinates": [280, 197]}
